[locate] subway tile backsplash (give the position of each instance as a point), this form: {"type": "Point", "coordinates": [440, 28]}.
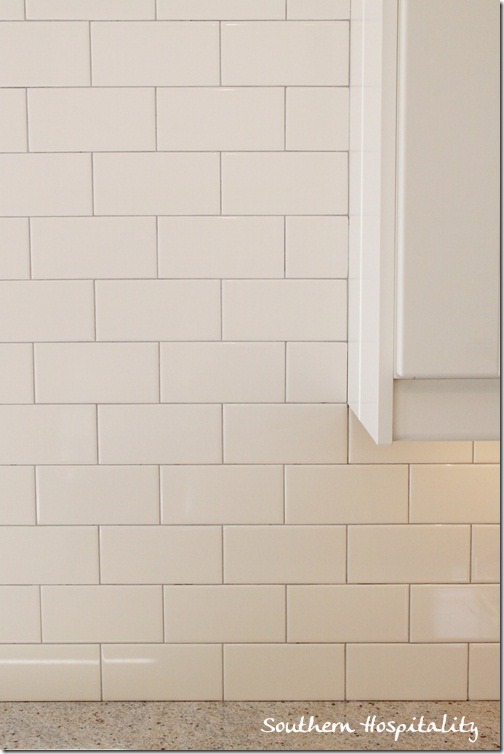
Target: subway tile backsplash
{"type": "Point", "coordinates": [187, 509]}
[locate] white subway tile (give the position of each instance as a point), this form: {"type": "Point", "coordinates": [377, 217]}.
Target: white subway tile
{"type": "Point", "coordinates": [93, 247]}
{"type": "Point", "coordinates": [45, 184]}
{"type": "Point", "coordinates": [284, 672]}
{"type": "Point", "coordinates": [484, 671]}
{"type": "Point", "coordinates": [406, 671]}
{"type": "Point", "coordinates": [49, 673]}
{"type": "Point", "coordinates": [48, 555]}
{"type": "Point", "coordinates": [284, 309]}
{"type": "Point", "coordinates": [316, 372]}
{"type": "Point", "coordinates": [34, 311]}
{"type": "Point", "coordinates": [220, 119]}
{"type": "Point", "coordinates": [221, 247]}
{"type": "Point", "coordinates": [78, 495]}
{"type": "Point", "coordinates": [284, 183]}
{"type": "Point", "coordinates": [96, 372]}
{"type": "Point", "coordinates": [347, 613]}
{"type": "Point", "coordinates": [14, 240]}
{"type": "Point", "coordinates": [455, 494]}
{"type": "Point", "coordinates": [13, 120]}
{"type": "Point", "coordinates": [44, 54]}
{"type": "Point", "coordinates": [262, 53]}
{"type": "Point", "coordinates": [20, 610]}
{"type": "Point", "coordinates": [162, 672]}
{"type": "Point", "coordinates": [16, 373]}
{"type": "Point", "coordinates": [316, 247]}
{"type": "Point", "coordinates": [193, 10]}
{"type": "Point", "coordinates": [156, 184]}
{"type": "Point", "coordinates": [17, 495]}
{"type": "Point", "coordinates": [402, 554]}
{"type": "Point", "coordinates": [464, 612]}
{"type": "Point", "coordinates": [158, 310]}
{"type": "Point", "coordinates": [285, 433]}
{"type": "Point", "coordinates": [91, 9]}
{"type": "Point", "coordinates": [346, 494]}
{"type": "Point", "coordinates": [91, 120]}
{"type": "Point", "coordinates": [224, 614]}
{"type": "Point", "coordinates": [284, 554]}
{"type": "Point", "coordinates": [11, 10]}
{"type": "Point", "coordinates": [102, 613]}
{"type": "Point", "coordinates": [485, 554]}
{"type": "Point", "coordinates": [314, 9]}
{"type": "Point", "coordinates": [47, 434]}
{"type": "Point", "coordinates": [222, 494]}
{"type": "Point", "coordinates": [363, 449]}
{"type": "Point", "coordinates": [161, 554]}
{"type": "Point", "coordinates": [487, 451]}
{"type": "Point", "coordinates": [317, 118]}
{"type": "Point", "coordinates": [155, 54]}
{"type": "Point", "coordinates": [222, 372]}
{"type": "Point", "coordinates": [160, 434]}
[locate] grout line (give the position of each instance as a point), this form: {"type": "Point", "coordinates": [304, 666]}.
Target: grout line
{"type": "Point", "coordinates": [409, 613]}
{"type": "Point", "coordinates": [29, 249]}
{"type": "Point", "coordinates": [345, 645]}
{"type": "Point", "coordinates": [471, 531]}
{"type": "Point", "coordinates": [100, 650]}
{"type": "Point", "coordinates": [283, 495]}
{"type": "Point", "coordinates": [346, 554]}
{"type": "Point", "coordinates": [90, 56]}
{"type": "Point", "coordinates": [222, 671]}
{"type": "Point", "coordinates": [468, 667]}
{"type": "Point", "coordinates": [24, 9]}
{"type": "Point", "coordinates": [285, 118]}
{"type": "Point", "coordinates": [160, 507]}
{"type": "Point", "coordinates": [99, 555]}
{"type": "Point", "coordinates": [33, 375]}
{"type": "Point", "coordinates": [220, 183]}
{"type": "Point", "coordinates": [220, 53]}
{"type": "Point", "coordinates": [221, 312]}
{"type": "Point", "coordinates": [163, 611]}
{"type": "Point", "coordinates": [40, 613]}
{"type": "Point", "coordinates": [157, 249]}
{"type": "Point", "coordinates": [159, 371]}
{"type": "Point", "coordinates": [97, 413]}
{"type": "Point", "coordinates": [286, 619]}
{"type": "Point", "coordinates": [409, 493]}
{"type": "Point", "coordinates": [92, 186]}
{"type": "Point", "coordinates": [222, 555]}
{"type": "Point", "coordinates": [155, 120]}
{"type": "Point", "coordinates": [37, 517]}
{"type": "Point", "coordinates": [27, 122]}
{"type": "Point", "coordinates": [285, 247]}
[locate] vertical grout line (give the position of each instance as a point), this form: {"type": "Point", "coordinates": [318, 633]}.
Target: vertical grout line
{"type": "Point", "coordinates": [155, 119]}
{"type": "Point", "coordinates": [160, 516]}
{"type": "Point", "coordinates": [283, 493]}
{"type": "Point", "coordinates": [220, 183]}
{"type": "Point", "coordinates": [157, 246]}
{"type": "Point", "coordinates": [220, 53]}
{"type": "Point", "coordinates": [409, 613]}
{"type": "Point", "coordinates": [470, 551]}
{"type": "Point", "coordinates": [163, 613]}
{"type": "Point", "coordinates": [222, 433]}
{"type": "Point", "coordinates": [90, 56]}
{"type": "Point", "coordinates": [346, 553]}
{"type": "Point", "coordinates": [159, 371]}
{"type": "Point", "coordinates": [409, 493]}
{"type": "Point", "coordinates": [285, 372]}
{"type": "Point", "coordinates": [285, 118]}
{"type": "Point", "coordinates": [92, 184]}
{"type": "Point", "coordinates": [24, 9]}
{"type": "Point", "coordinates": [285, 8]}
{"type": "Point", "coordinates": [29, 248]}
{"type": "Point", "coordinates": [97, 413]}
{"type": "Point", "coordinates": [468, 668]}
{"type": "Point", "coordinates": [99, 556]}
{"type": "Point", "coordinates": [33, 374]}
{"type": "Point", "coordinates": [285, 245]}
{"type": "Point", "coordinates": [222, 671]}
{"type": "Point", "coordinates": [100, 650]}
{"type": "Point", "coordinates": [345, 671]}
{"type": "Point", "coordinates": [37, 516]}
{"type": "Point", "coordinates": [40, 614]}
{"type": "Point", "coordinates": [94, 310]}
{"type": "Point", "coordinates": [27, 122]}
{"type": "Point", "coordinates": [155, 10]}
{"type": "Point", "coordinates": [222, 554]}
{"type": "Point", "coordinates": [221, 308]}
{"type": "Point", "coordinates": [473, 451]}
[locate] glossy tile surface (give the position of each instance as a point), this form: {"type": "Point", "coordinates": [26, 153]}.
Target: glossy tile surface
{"type": "Point", "coordinates": [485, 554]}
{"type": "Point", "coordinates": [468, 612]}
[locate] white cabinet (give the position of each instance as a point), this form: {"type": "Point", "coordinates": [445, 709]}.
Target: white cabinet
{"type": "Point", "coordinates": [424, 218]}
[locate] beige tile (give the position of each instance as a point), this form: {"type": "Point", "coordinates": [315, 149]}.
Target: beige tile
{"type": "Point", "coordinates": [24, 58]}
{"type": "Point", "coordinates": [17, 495]}
{"type": "Point", "coordinates": [16, 373]}
{"type": "Point", "coordinates": [224, 614]}
{"type": "Point", "coordinates": [285, 433]}
{"type": "Point", "coordinates": [485, 553]}
{"type": "Point", "coordinates": [48, 555]}
{"type": "Point", "coordinates": [487, 451]}
{"type": "Point", "coordinates": [160, 554]}
{"type": "Point", "coordinates": [317, 118]}
{"type": "Point", "coordinates": [49, 673]}
{"type": "Point", "coordinates": [166, 673]}
{"type": "Point", "coordinates": [222, 494]}
{"type": "Point", "coordinates": [284, 672]}
{"type": "Point", "coordinates": [156, 184]}
{"type": "Point", "coordinates": [402, 554]}
{"type": "Point", "coordinates": [316, 247]}
{"type": "Point", "coordinates": [222, 372]}
{"type": "Point", "coordinates": [407, 671]}
{"type": "Point", "coordinates": [78, 495]}
{"type": "Point", "coordinates": [102, 613]}
{"type": "Point", "coordinates": [91, 120]}
{"type": "Point", "coordinates": [13, 119]}
{"type": "Point", "coordinates": [347, 613]}
{"type": "Point", "coordinates": [160, 434]}
{"type": "Point", "coordinates": [91, 9]}
{"type": "Point", "coordinates": [220, 119]}
{"type": "Point", "coordinates": [158, 310]}
{"type": "Point", "coordinates": [284, 554]}
{"type": "Point", "coordinates": [284, 310]}
{"type": "Point", "coordinates": [364, 450]}
{"type": "Point", "coordinates": [484, 671]}
{"type": "Point", "coordinates": [93, 247]}
{"type": "Point", "coordinates": [466, 612]}
{"type": "Point", "coordinates": [220, 9]}
{"type": "Point", "coordinates": [155, 54]}
{"type": "Point", "coordinates": [47, 434]}
{"type": "Point", "coordinates": [15, 256]}
{"type": "Point", "coordinates": [284, 183]}
{"type": "Point", "coordinates": [97, 372]}
{"type": "Point", "coordinates": [20, 610]}
{"type": "Point", "coordinates": [316, 372]}
{"type": "Point", "coordinates": [454, 494]}
{"type": "Point", "coordinates": [45, 184]}
{"type": "Point", "coordinates": [221, 247]}
{"type": "Point", "coordinates": [40, 310]}
{"type": "Point", "coordinates": [11, 10]}
{"type": "Point", "coordinates": [265, 53]}
{"type": "Point", "coordinates": [346, 494]}
{"type": "Point", "coordinates": [323, 9]}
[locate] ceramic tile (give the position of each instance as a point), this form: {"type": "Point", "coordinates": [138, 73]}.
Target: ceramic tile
{"type": "Point", "coordinates": [20, 610]}
{"type": "Point", "coordinates": [485, 553]}
{"type": "Point", "coordinates": [484, 671]}
{"type": "Point", "coordinates": [17, 495]}
{"type": "Point", "coordinates": [466, 612]}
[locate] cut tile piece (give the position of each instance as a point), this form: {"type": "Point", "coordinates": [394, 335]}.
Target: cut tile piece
{"type": "Point", "coordinates": [20, 610]}
{"type": "Point", "coordinates": [317, 118]}
{"type": "Point", "coordinates": [16, 373]}
{"type": "Point", "coordinates": [467, 612]}
{"type": "Point", "coordinates": [484, 671]}
{"type": "Point", "coordinates": [316, 372]}
{"type": "Point", "coordinates": [485, 554]}
{"type": "Point", "coordinates": [13, 136]}
{"type": "Point", "coordinates": [323, 9]}
{"type": "Point", "coordinates": [316, 247]}
{"type": "Point", "coordinates": [17, 495]}
{"type": "Point", "coordinates": [15, 243]}
{"type": "Point", "coordinates": [487, 451]}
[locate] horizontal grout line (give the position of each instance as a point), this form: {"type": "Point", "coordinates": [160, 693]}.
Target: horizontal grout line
{"type": "Point", "coordinates": [206, 21]}
{"type": "Point", "coordinates": [243, 463]}
{"type": "Point", "coordinates": [191, 216]}
{"type": "Point", "coordinates": [163, 279]}
{"type": "Point", "coordinates": [185, 151]}
{"type": "Point", "coordinates": [177, 86]}
{"type": "Point", "coordinates": [280, 525]}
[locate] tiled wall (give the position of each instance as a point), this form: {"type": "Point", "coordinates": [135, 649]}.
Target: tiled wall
{"type": "Point", "coordinates": [186, 513]}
